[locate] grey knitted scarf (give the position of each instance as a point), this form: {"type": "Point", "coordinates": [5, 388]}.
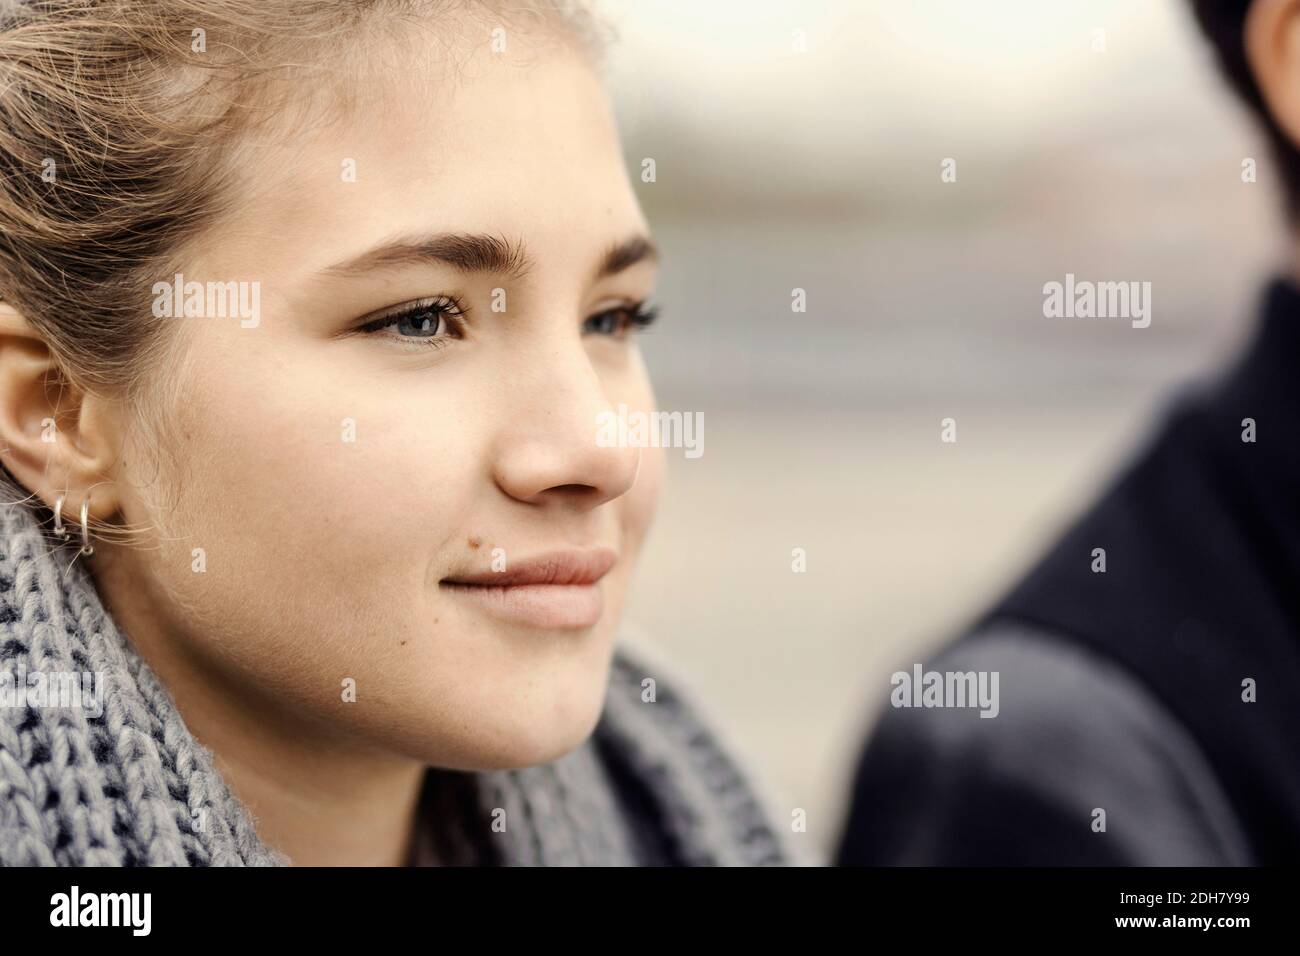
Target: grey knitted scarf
{"type": "Point", "coordinates": [114, 777]}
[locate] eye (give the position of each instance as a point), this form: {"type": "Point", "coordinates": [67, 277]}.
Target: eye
{"type": "Point", "coordinates": [427, 323]}
{"type": "Point", "coordinates": [619, 321]}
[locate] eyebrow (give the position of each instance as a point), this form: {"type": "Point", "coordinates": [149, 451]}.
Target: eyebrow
{"type": "Point", "coordinates": [480, 252]}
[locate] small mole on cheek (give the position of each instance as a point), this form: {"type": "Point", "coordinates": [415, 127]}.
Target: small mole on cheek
{"type": "Point", "coordinates": [475, 543]}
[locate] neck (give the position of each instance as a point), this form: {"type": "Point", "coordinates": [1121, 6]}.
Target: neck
{"type": "Point", "coordinates": [318, 807]}
{"type": "Point", "coordinates": [317, 797]}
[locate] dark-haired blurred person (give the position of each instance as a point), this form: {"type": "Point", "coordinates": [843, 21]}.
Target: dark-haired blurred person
{"type": "Point", "coordinates": [1149, 713]}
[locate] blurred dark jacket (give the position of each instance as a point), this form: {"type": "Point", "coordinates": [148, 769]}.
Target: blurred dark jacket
{"type": "Point", "coordinates": [1163, 691]}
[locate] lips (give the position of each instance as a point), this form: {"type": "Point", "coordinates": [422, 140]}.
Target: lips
{"type": "Point", "coordinates": [556, 568]}
{"type": "Point", "coordinates": [559, 589]}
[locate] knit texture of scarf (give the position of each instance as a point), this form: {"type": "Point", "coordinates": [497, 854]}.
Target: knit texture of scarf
{"type": "Point", "coordinates": [129, 785]}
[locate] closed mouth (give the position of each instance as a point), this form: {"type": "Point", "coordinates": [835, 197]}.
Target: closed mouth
{"type": "Point", "coordinates": [556, 568]}
{"type": "Point", "coordinates": [555, 591]}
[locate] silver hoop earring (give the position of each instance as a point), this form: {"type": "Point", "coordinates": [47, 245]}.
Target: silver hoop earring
{"type": "Point", "coordinates": [59, 530]}
{"type": "Point", "coordinates": [86, 549]}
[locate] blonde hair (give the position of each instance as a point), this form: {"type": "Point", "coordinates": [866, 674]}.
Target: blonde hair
{"type": "Point", "coordinates": [118, 123]}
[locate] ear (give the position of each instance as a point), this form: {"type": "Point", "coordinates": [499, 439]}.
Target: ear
{"type": "Point", "coordinates": [1272, 43]}
{"type": "Point", "coordinates": [55, 440]}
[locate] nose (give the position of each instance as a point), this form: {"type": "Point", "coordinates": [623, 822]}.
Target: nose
{"type": "Point", "coordinates": [549, 452]}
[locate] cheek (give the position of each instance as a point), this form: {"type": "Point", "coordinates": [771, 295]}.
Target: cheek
{"type": "Point", "coordinates": [330, 465]}
{"type": "Point", "coordinates": [639, 504]}
{"type": "Point", "coordinates": [637, 507]}
{"type": "Point", "coordinates": [319, 505]}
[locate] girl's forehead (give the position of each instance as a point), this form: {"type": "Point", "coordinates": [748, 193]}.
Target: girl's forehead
{"type": "Point", "coordinates": [525, 150]}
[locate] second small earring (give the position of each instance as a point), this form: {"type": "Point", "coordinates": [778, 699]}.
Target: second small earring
{"type": "Point", "coordinates": [86, 549]}
{"type": "Point", "coordinates": [59, 530]}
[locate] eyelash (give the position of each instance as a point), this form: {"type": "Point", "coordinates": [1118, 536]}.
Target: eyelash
{"type": "Point", "coordinates": [636, 316]}
{"type": "Point", "coordinates": [632, 317]}
{"type": "Point", "coordinates": [441, 309]}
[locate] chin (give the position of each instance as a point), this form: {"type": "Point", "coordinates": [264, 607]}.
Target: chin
{"type": "Point", "coordinates": [540, 748]}
{"type": "Point", "coordinates": [526, 738]}
{"type": "Point", "coordinates": [560, 720]}
{"type": "Point", "coordinates": [535, 718]}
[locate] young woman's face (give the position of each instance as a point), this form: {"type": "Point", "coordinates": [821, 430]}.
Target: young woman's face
{"type": "Point", "coordinates": [446, 282]}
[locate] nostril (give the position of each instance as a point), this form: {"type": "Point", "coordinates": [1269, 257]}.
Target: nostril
{"type": "Point", "coordinates": [572, 490]}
